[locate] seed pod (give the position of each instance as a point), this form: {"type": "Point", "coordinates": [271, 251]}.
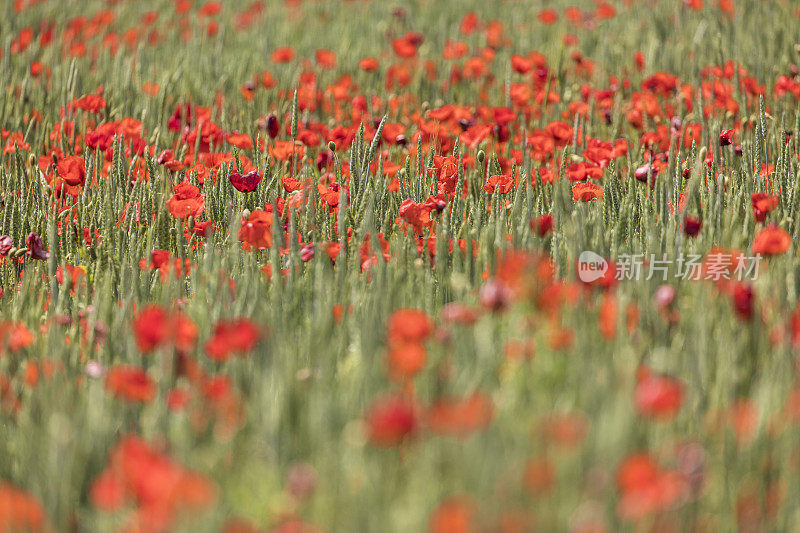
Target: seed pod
{"type": "Point", "coordinates": [481, 156]}
{"type": "Point", "coordinates": [332, 146]}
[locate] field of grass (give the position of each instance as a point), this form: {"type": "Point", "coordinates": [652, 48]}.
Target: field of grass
{"type": "Point", "coordinates": [309, 266]}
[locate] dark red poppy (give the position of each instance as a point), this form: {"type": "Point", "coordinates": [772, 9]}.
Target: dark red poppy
{"type": "Point", "coordinates": [245, 182]}
{"type": "Point", "coordinates": [35, 247]}
{"type": "Point", "coordinates": [692, 226]}
{"type": "Point", "coordinates": [726, 137]}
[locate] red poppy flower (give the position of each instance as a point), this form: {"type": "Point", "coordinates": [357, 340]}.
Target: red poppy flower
{"type": "Point", "coordinates": [504, 184]}
{"type": "Point", "coordinates": [93, 103]}
{"type": "Point", "coordinates": [325, 58]}
{"type": "Point", "coordinates": [658, 396]}
{"type": "Point", "coordinates": [560, 132]}
{"type": "Point", "coordinates": [283, 54]}
{"type": "Point", "coordinates": [368, 64]}
{"type": "Point", "coordinates": [282, 150]}
{"type": "Point", "coordinates": [19, 510]}
{"type": "Point", "coordinates": [390, 421]}
{"type": "Point", "coordinates": [547, 16]}
{"type": "Point", "coordinates": [417, 215]}
{"type": "Point", "coordinates": [771, 240]}
{"type": "Point", "coordinates": [646, 488]}
{"type": "Point", "coordinates": [130, 383]}
{"type": "Point", "coordinates": [157, 487]}
{"type": "Point", "coordinates": [186, 202]}
{"type": "Point", "coordinates": [468, 23]}
{"type": "Point", "coordinates": [234, 336]}
{"type": "Point", "coordinates": [763, 205]}
{"type": "Point", "coordinates": [150, 328]}
{"type": "Point", "coordinates": [409, 325]}
{"type": "Point", "coordinates": [240, 140]}
{"type": "Point", "coordinates": [72, 170]}
{"type": "Point", "coordinates": [406, 46]}
{"type": "Point", "coordinates": [256, 230]}
{"type": "Point", "coordinates": [461, 416]}
{"type": "Point", "coordinates": [154, 327]}
{"type": "Point", "coordinates": [406, 359]}
{"type": "Point", "coordinates": [15, 336]}
{"type": "Point", "coordinates": [582, 171]}
{"type": "Point", "coordinates": [586, 192]}
{"type": "Point", "coordinates": [453, 515]}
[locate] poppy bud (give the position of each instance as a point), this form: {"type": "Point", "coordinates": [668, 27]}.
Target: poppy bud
{"type": "Point", "coordinates": [687, 172]}
{"type": "Point", "coordinates": [332, 146]}
{"type": "Point", "coordinates": [481, 157]}
{"type": "Point", "coordinates": [20, 252]}
{"type": "Point", "coordinates": [31, 160]}
{"type": "Point", "coordinates": [246, 213]}
{"type": "Point", "coordinates": [726, 138]}
{"type": "Point", "coordinates": [273, 128]}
